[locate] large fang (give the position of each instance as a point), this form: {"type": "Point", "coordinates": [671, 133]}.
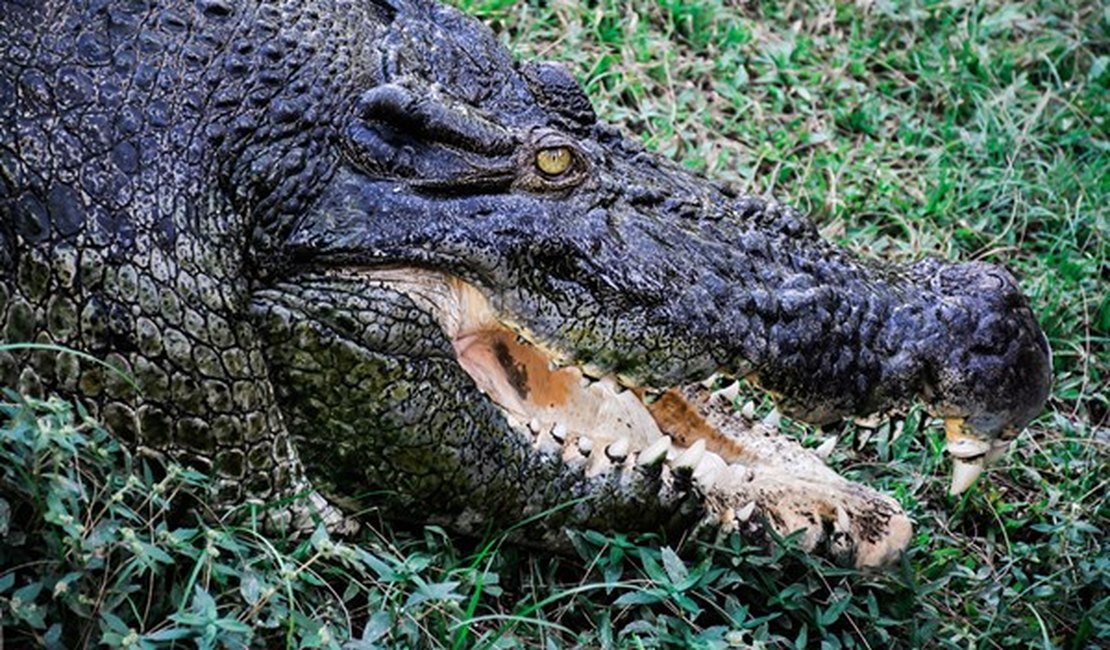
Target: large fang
{"type": "Point", "coordinates": [709, 470]}
{"type": "Point", "coordinates": [655, 452]}
{"type": "Point", "coordinates": [968, 451]}
{"type": "Point", "coordinates": [964, 474]}
{"type": "Point", "coordinates": [690, 456]}
{"type": "Point", "coordinates": [745, 512]}
{"type": "Point", "coordinates": [617, 451]}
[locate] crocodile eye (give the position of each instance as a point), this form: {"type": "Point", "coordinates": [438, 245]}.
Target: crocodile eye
{"type": "Point", "coordinates": [554, 160]}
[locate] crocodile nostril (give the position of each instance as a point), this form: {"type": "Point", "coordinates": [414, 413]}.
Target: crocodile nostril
{"type": "Point", "coordinates": [992, 281]}
{"type": "Point", "coordinates": [975, 279]}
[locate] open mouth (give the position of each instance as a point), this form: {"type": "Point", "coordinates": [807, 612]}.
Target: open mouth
{"type": "Point", "coordinates": [688, 437]}
{"type": "Point", "coordinates": [590, 419]}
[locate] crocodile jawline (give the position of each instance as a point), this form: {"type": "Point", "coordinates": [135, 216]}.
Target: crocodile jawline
{"type": "Point", "coordinates": [568, 409]}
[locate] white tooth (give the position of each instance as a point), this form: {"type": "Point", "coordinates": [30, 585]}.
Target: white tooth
{"type": "Point", "coordinates": [625, 382]}
{"type": "Point", "coordinates": [559, 432]}
{"type": "Point", "coordinates": [748, 410]}
{"type": "Point", "coordinates": [691, 455]}
{"type": "Point", "coordinates": [585, 445]}
{"type": "Point", "coordinates": [710, 380]}
{"type": "Point", "coordinates": [598, 464]}
{"type": "Point", "coordinates": [745, 512]}
{"type": "Point", "coordinates": [728, 393]}
{"type": "Point", "coordinates": [618, 450]}
{"type": "Point", "coordinates": [998, 450]}
{"type": "Point", "coordinates": [546, 444]}
{"type": "Point", "coordinates": [869, 422]}
{"type": "Point", "coordinates": [534, 425]}
{"type": "Point", "coordinates": [709, 469]}
{"type": "Point", "coordinates": [655, 451]}
{"type": "Point", "coordinates": [843, 521]}
{"type": "Point", "coordinates": [964, 474]}
{"type": "Point", "coordinates": [825, 448]}
{"type": "Point", "coordinates": [608, 384]}
{"type": "Point", "coordinates": [593, 371]}
{"type": "Point", "coordinates": [772, 420]}
{"type": "Point", "coordinates": [571, 454]}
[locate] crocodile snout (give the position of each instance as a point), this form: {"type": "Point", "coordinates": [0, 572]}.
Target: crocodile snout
{"type": "Point", "coordinates": [992, 365]}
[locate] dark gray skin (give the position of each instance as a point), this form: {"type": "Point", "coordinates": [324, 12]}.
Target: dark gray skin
{"type": "Point", "coordinates": [184, 191]}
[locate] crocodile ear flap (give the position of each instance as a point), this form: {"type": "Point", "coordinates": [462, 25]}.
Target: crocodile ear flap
{"type": "Point", "coordinates": [428, 140]}
{"type": "Point", "coordinates": [430, 116]}
{"type": "Point", "coordinates": [556, 89]}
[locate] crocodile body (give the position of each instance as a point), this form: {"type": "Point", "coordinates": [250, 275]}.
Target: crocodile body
{"type": "Point", "coordinates": [355, 242]}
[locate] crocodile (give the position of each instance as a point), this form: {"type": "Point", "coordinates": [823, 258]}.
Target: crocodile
{"type": "Point", "coordinates": [353, 251]}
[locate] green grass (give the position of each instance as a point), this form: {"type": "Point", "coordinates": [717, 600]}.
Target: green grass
{"type": "Point", "coordinates": [962, 130]}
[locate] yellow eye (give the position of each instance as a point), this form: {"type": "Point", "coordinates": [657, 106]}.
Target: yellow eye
{"type": "Point", "coordinates": [554, 160]}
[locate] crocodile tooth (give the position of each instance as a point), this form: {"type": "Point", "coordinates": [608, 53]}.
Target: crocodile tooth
{"type": "Point", "coordinates": [825, 448]}
{"type": "Point", "coordinates": [609, 385]}
{"type": "Point", "coordinates": [964, 474]}
{"type": "Point", "coordinates": [744, 512]}
{"type": "Point", "coordinates": [710, 380]}
{"type": "Point", "coordinates": [748, 410]}
{"type": "Point", "coordinates": [773, 419]}
{"type": "Point", "coordinates": [709, 469]}
{"type": "Point", "coordinates": [546, 444]}
{"type": "Point", "coordinates": [585, 445]}
{"type": "Point", "coordinates": [843, 521]}
{"type": "Point", "coordinates": [534, 425]}
{"type": "Point", "coordinates": [869, 421]}
{"type": "Point", "coordinates": [655, 451]}
{"type": "Point", "coordinates": [998, 450]}
{"type": "Point", "coordinates": [570, 452]}
{"type": "Point", "coordinates": [590, 370]}
{"type": "Point", "coordinates": [625, 382]}
{"type": "Point", "coordinates": [598, 464]}
{"type": "Point", "coordinates": [691, 455]}
{"type": "Point", "coordinates": [559, 432]}
{"type": "Point", "coordinates": [728, 393]}
{"type": "Point", "coordinates": [618, 450]}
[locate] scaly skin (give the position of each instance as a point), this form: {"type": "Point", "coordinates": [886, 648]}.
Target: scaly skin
{"type": "Point", "coordinates": [200, 193]}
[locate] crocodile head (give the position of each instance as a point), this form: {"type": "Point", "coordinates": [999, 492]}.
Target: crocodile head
{"type": "Point", "coordinates": [499, 304]}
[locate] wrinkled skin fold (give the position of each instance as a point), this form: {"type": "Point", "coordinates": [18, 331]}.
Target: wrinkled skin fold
{"type": "Point", "coordinates": [357, 245]}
